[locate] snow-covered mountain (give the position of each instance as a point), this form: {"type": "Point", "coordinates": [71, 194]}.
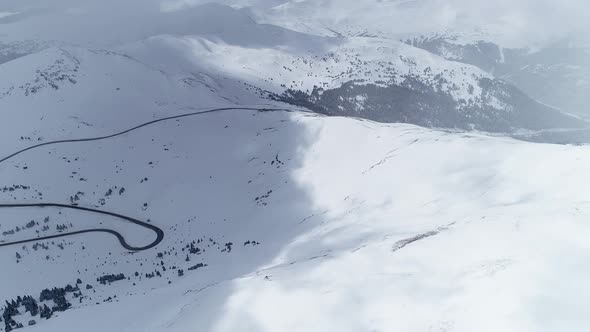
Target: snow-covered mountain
{"type": "Point", "coordinates": [374, 78]}
{"type": "Point", "coordinates": [369, 77]}
{"type": "Point", "coordinates": [217, 167]}
{"type": "Point", "coordinates": [312, 235]}
{"type": "Point", "coordinates": [555, 74]}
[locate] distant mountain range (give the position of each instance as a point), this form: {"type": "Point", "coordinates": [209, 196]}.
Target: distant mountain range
{"type": "Point", "coordinates": [429, 81]}
{"type": "Point", "coordinates": [556, 74]}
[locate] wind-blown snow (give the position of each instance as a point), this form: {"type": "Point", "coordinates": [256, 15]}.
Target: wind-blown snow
{"type": "Point", "coordinates": [365, 61]}
{"type": "Point", "coordinates": [279, 220]}
{"type": "Point", "coordinates": [488, 238]}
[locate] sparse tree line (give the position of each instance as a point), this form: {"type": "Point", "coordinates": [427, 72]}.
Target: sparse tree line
{"type": "Point", "coordinates": [50, 301]}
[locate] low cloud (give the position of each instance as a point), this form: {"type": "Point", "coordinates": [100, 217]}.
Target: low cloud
{"type": "Point", "coordinates": [511, 22]}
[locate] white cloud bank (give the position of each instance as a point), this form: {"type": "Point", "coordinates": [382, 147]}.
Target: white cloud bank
{"type": "Point", "coordinates": [510, 22]}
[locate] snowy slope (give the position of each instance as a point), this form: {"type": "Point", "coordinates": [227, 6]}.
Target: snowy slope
{"type": "Point", "coordinates": [405, 235]}
{"type": "Point", "coordinates": [64, 93]}
{"type": "Point", "coordinates": [70, 92]}
{"type": "Point", "coordinates": [448, 93]}
{"type": "Point", "coordinates": [554, 74]}
{"type": "Point", "coordinates": [275, 218]}
{"type": "Point", "coordinates": [365, 61]}
{"type": "Point", "coordinates": [222, 42]}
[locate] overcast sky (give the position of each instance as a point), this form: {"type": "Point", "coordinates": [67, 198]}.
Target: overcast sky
{"type": "Point", "coordinates": [514, 21]}
{"type": "Point", "coordinates": [536, 20]}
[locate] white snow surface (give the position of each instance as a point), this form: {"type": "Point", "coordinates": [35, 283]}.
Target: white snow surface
{"type": "Point", "coordinates": [219, 41]}
{"type": "Point", "coordinates": [504, 225]}
{"type": "Point", "coordinates": [303, 222]}
{"type": "Point", "coordinates": [363, 60]}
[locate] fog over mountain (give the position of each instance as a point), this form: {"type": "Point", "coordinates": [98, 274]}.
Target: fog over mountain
{"type": "Point", "coordinates": [515, 23]}
{"type": "Point", "coordinates": [294, 165]}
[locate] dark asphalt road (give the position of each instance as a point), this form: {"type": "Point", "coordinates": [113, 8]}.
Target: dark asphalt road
{"type": "Point", "coordinates": [159, 232]}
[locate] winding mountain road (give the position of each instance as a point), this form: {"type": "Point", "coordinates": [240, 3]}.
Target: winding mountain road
{"type": "Point", "coordinates": [158, 231]}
